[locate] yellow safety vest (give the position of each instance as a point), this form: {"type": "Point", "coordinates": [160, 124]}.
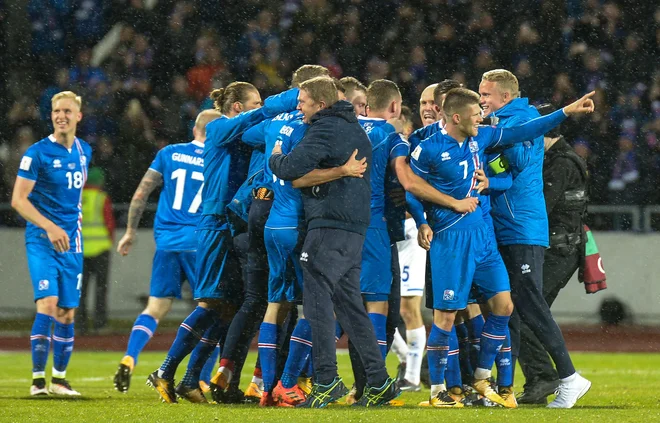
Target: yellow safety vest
{"type": "Point", "coordinates": [96, 237]}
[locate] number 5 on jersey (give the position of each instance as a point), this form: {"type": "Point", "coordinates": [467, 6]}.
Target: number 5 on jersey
{"type": "Point", "coordinates": [180, 176]}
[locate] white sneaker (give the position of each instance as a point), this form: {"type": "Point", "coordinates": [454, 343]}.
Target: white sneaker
{"type": "Point", "coordinates": [63, 388]}
{"type": "Point", "coordinates": [36, 390]}
{"type": "Point", "coordinates": [570, 391]}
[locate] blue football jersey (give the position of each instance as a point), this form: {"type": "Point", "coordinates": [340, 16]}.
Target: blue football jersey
{"type": "Point", "coordinates": [225, 167]}
{"type": "Point", "coordinates": [265, 135]}
{"type": "Point", "coordinates": [387, 145]}
{"type": "Point", "coordinates": [60, 175]}
{"type": "Point", "coordinates": [421, 134]}
{"type": "Point", "coordinates": [287, 210]}
{"type": "Point", "coordinates": [449, 166]}
{"type": "Point", "coordinates": [179, 206]}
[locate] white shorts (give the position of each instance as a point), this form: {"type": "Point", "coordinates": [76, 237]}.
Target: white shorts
{"type": "Point", "coordinates": [412, 260]}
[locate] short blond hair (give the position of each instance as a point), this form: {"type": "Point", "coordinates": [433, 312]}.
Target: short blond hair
{"type": "Point", "coordinates": [204, 118]}
{"type": "Point", "coordinates": [506, 81]}
{"type": "Point", "coordinates": [321, 88]}
{"type": "Point", "coordinates": [351, 85]}
{"type": "Point", "coordinates": [307, 72]}
{"type": "Point", "coordinates": [457, 99]}
{"type": "Point", "coordinates": [68, 95]}
{"type": "Point", "coordinates": [381, 93]}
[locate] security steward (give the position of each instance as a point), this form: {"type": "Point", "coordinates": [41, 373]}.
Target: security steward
{"type": "Point", "coordinates": [565, 191]}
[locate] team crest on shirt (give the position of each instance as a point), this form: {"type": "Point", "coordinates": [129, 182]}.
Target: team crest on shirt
{"type": "Point", "coordinates": [474, 146]}
{"type": "Point", "coordinates": [72, 165]}
{"type": "Point", "coordinates": [57, 163]}
{"type": "Point", "coordinates": [448, 295]}
{"type": "Point", "coordinates": [43, 284]}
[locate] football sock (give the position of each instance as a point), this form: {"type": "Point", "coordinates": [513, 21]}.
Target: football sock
{"type": "Point", "coordinates": [437, 350]}
{"type": "Point", "coordinates": [203, 352]}
{"type": "Point", "coordinates": [464, 352]}
{"type": "Point", "coordinates": [143, 329]}
{"type": "Point", "coordinates": [399, 347]}
{"type": "Point", "coordinates": [492, 337]}
{"type": "Point", "coordinates": [268, 334]}
{"type": "Point", "coordinates": [187, 337]}
{"type": "Point", "coordinates": [453, 371]}
{"type": "Point", "coordinates": [40, 344]}
{"type": "Point", "coordinates": [62, 348]}
{"type": "Point", "coordinates": [380, 321]}
{"type": "Point", "coordinates": [476, 327]}
{"type": "Point", "coordinates": [503, 362]}
{"type": "Point", "coordinates": [416, 344]}
{"type": "Point", "coordinates": [300, 348]}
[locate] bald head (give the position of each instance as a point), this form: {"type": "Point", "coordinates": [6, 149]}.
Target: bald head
{"type": "Point", "coordinates": [427, 111]}
{"type": "Point", "coordinates": [199, 130]}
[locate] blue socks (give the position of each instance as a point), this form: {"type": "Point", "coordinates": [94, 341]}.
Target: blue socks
{"type": "Point", "coordinates": [438, 348]}
{"type": "Point", "coordinates": [492, 338]}
{"type": "Point", "coordinates": [40, 344]}
{"type": "Point", "coordinates": [187, 337]}
{"type": "Point", "coordinates": [143, 329]}
{"type": "Point", "coordinates": [300, 348]}
{"type": "Point", "coordinates": [268, 335]}
{"type": "Point", "coordinates": [202, 352]}
{"type": "Point", "coordinates": [464, 352]}
{"type": "Point", "coordinates": [207, 370]}
{"type": "Point", "coordinates": [62, 348]}
{"type": "Point", "coordinates": [504, 363]}
{"type": "Point", "coordinates": [453, 371]}
{"type": "Point", "coordinates": [380, 328]}
{"type": "Point", "coordinates": [476, 327]}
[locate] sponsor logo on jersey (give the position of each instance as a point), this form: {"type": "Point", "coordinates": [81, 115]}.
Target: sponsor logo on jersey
{"type": "Point", "coordinates": [445, 156]}
{"type": "Point", "coordinates": [71, 165]}
{"type": "Point", "coordinates": [57, 163]}
{"type": "Point", "coordinates": [304, 256]}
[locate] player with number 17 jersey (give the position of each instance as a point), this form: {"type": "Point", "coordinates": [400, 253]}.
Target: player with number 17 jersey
{"type": "Point", "coordinates": [179, 205]}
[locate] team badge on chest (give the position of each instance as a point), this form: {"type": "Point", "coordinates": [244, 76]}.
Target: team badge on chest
{"type": "Point", "coordinates": [474, 146]}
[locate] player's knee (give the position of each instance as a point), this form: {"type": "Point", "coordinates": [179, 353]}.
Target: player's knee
{"type": "Point", "coordinates": [65, 315]}
{"type": "Point", "coordinates": [47, 306]}
{"type": "Point", "coordinates": [158, 307]}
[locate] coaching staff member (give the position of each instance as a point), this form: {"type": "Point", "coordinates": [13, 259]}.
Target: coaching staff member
{"type": "Point", "coordinates": [565, 191]}
{"type": "Point", "coordinates": [337, 214]}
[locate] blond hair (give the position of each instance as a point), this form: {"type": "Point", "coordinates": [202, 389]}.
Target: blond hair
{"type": "Point", "coordinates": [307, 72]}
{"type": "Point", "coordinates": [67, 95]}
{"type": "Point", "coordinates": [381, 93]}
{"type": "Point", "coordinates": [457, 99]}
{"type": "Point", "coordinates": [321, 89]}
{"type": "Point", "coordinates": [351, 85]}
{"type": "Point", "coordinates": [506, 81]}
{"type": "Point", "coordinates": [204, 118]}
{"type": "Point", "coordinates": [223, 98]}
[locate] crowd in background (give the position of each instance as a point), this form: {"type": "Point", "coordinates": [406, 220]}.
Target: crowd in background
{"type": "Point", "coordinates": [148, 90]}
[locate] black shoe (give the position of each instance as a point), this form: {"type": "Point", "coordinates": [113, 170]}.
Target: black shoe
{"type": "Point", "coordinates": [194, 395]}
{"type": "Point", "coordinates": [407, 386]}
{"type": "Point", "coordinates": [164, 387]}
{"type": "Point", "coordinates": [233, 396]}
{"type": "Point", "coordinates": [401, 372]}
{"type": "Point", "coordinates": [322, 395]}
{"type": "Point", "coordinates": [373, 397]}
{"type": "Point", "coordinates": [538, 392]}
{"type": "Point", "coordinates": [122, 378]}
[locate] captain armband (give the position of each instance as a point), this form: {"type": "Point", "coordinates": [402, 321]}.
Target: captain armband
{"type": "Point", "coordinates": [498, 165]}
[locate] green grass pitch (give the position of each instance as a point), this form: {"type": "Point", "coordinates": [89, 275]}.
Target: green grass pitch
{"type": "Point", "coordinates": [626, 388]}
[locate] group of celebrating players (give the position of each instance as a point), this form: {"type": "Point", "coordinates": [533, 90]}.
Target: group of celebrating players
{"type": "Point", "coordinates": [231, 220]}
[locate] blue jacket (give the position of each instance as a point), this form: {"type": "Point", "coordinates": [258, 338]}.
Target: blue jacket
{"type": "Point", "coordinates": [519, 215]}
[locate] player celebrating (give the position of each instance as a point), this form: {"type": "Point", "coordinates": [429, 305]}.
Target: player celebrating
{"type": "Point", "coordinates": [475, 258]}
{"type": "Point", "coordinates": [48, 194]}
{"type": "Point", "coordinates": [178, 167]}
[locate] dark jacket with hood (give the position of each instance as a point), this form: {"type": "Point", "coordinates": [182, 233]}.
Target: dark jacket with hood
{"type": "Point", "coordinates": [332, 136]}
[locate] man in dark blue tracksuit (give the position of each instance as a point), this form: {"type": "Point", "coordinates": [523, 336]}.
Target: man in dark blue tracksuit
{"type": "Point", "coordinates": [521, 228]}
{"type": "Point", "coordinates": [338, 214]}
